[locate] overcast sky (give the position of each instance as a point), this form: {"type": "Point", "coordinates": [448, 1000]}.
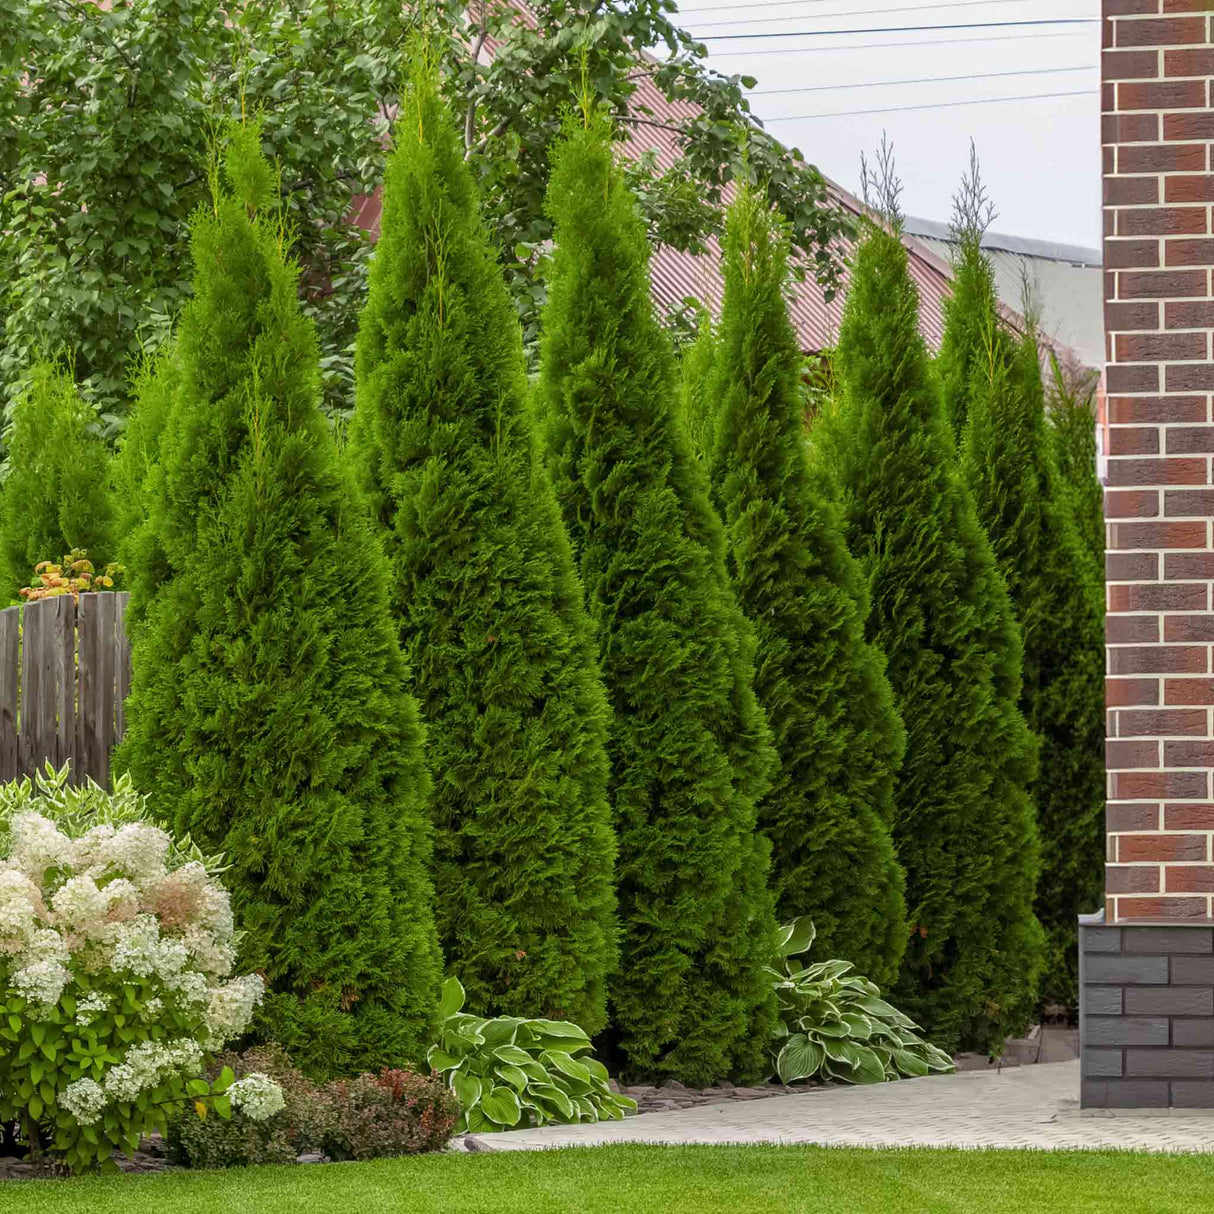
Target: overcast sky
{"type": "Point", "coordinates": [1040, 158]}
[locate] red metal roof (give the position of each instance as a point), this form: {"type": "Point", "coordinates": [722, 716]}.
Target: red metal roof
{"type": "Point", "coordinates": [676, 276]}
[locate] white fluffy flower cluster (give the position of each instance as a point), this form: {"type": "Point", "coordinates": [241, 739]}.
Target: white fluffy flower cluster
{"type": "Point", "coordinates": [105, 911]}
{"type": "Point", "coordinates": [257, 1096]}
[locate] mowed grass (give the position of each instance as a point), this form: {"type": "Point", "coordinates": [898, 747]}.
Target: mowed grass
{"type": "Point", "coordinates": [660, 1180]}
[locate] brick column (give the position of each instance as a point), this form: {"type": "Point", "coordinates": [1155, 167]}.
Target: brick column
{"type": "Point", "coordinates": [1157, 64]}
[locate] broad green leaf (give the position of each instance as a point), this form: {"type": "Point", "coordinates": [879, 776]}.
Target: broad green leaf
{"type": "Point", "coordinates": [799, 1058]}
{"type": "Point", "coordinates": [910, 1064]}
{"type": "Point", "coordinates": [566, 1065]}
{"type": "Point", "coordinates": [452, 999]}
{"type": "Point", "coordinates": [501, 1105]}
{"type": "Point", "coordinates": [556, 1028]}
{"type": "Point", "coordinates": [513, 1075]}
{"type": "Point", "coordinates": [467, 1089]}
{"type": "Point", "coordinates": [512, 1054]}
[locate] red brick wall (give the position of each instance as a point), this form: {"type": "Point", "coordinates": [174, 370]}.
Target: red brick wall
{"type": "Point", "coordinates": [1157, 124]}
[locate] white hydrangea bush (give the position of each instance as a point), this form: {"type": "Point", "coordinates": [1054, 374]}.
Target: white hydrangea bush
{"type": "Point", "coordinates": [116, 954]}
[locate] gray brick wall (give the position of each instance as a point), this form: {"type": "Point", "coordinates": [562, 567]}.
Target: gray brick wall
{"type": "Point", "coordinates": [1146, 1015]}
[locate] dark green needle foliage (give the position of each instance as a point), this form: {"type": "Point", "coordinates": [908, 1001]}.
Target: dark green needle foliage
{"type": "Point", "coordinates": [1071, 418]}
{"type": "Point", "coordinates": [697, 366]}
{"type": "Point", "coordinates": [1023, 503]}
{"type": "Point", "coordinates": [691, 750]}
{"type": "Point", "coordinates": [56, 497]}
{"type": "Point", "coordinates": [269, 715]}
{"type": "Point", "coordinates": [940, 611]}
{"type": "Point", "coordinates": [486, 598]}
{"type": "Point", "coordinates": [138, 453]}
{"type": "Point", "coordinates": [831, 809]}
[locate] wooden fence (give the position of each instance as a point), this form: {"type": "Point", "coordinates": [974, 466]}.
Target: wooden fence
{"type": "Point", "coordinates": [65, 672]}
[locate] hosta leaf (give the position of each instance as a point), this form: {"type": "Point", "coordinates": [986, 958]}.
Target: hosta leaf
{"type": "Point", "coordinates": [556, 1028]}
{"type": "Point", "coordinates": [799, 1058]}
{"type": "Point", "coordinates": [501, 1106]}
{"type": "Point", "coordinates": [878, 1007]}
{"type": "Point", "coordinates": [909, 1064]}
{"type": "Point", "coordinates": [566, 1065]}
{"type": "Point", "coordinates": [467, 1089]}
{"type": "Point", "coordinates": [832, 1028]}
{"type": "Point", "coordinates": [860, 1026]}
{"type": "Point", "coordinates": [452, 998]}
{"type": "Point", "coordinates": [512, 1075]}
{"type": "Point", "coordinates": [549, 1094]}
{"type": "Point", "coordinates": [512, 1055]}
{"type": "Point", "coordinates": [501, 1031]}
{"type": "Point", "coordinates": [440, 1060]}
{"type": "Point", "coordinates": [869, 1068]}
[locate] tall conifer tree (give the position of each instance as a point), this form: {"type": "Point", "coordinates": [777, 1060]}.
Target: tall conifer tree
{"type": "Point", "coordinates": [486, 598]}
{"type": "Point", "coordinates": [269, 715]}
{"type": "Point", "coordinates": [1024, 505]}
{"type": "Point", "coordinates": [941, 613]}
{"type": "Point", "coordinates": [56, 497]}
{"type": "Point", "coordinates": [823, 686]}
{"type": "Point", "coordinates": [1071, 417]}
{"type": "Point", "coordinates": [691, 749]}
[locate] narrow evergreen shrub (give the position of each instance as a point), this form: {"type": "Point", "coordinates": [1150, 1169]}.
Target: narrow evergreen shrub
{"type": "Point", "coordinates": [55, 498]}
{"type": "Point", "coordinates": [697, 367]}
{"type": "Point", "coordinates": [485, 597]}
{"type": "Point", "coordinates": [138, 452]}
{"type": "Point", "coordinates": [840, 740]}
{"type": "Point", "coordinates": [1022, 502]}
{"type": "Point", "coordinates": [269, 716]}
{"type": "Point", "coordinates": [1071, 416]}
{"type": "Point", "coordinates": [964, 829]}
{"type": "Point", "coordinates": [691, 749]}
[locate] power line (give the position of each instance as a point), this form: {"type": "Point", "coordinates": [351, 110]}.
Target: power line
{"type": "Point", "coordinates": [720, 8]}
{"type": "Point", "coordinates": [903, 8]}
{"type": "Point", "coordinates": [904, 29]}
{"type": "Point", "coordinates": [938, 105]}
{"type": "Point", "coordinates": [880, 84]}
{"type": "Point", "coordinates": [869, 46]}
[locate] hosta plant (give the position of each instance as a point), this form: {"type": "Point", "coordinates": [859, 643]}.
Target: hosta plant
{"type": "Point", "coordinates": [510, 1072]}
{"type": "Point", "coordinates": [116, 948]}
{"type": "Point", "coordinates": [835, 1025]}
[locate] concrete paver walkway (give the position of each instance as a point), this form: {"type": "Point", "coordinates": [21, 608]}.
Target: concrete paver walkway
{"type": "Point", "coordinates": [1029, 1106]}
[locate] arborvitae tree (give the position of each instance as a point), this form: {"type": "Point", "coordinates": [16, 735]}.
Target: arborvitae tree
{"type": "Point", "coordinates": [269, 715]}
{"type": "Point", "coordinates": [940, 611]}
{"type": "Point", "coordinates": [56, 497]}
{"type": "Point", "coordinates": [697, 366]}
{"type": "Point", "coordinates": [840, 739]}
{"type": "Point", "coordinates": [486, 598]}
{"type": "Point", "coordinates": [1071, 419]}
{"type": "Point", "coordinates": [1022, 502]}
{"type": "Point", "coordinates": [131, 469]}
{"type": "Point", "coordinates": [691, 749]}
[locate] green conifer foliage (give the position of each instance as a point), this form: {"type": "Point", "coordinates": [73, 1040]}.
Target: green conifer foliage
{"type": "Point", "coordinates": [823, 686]}
{"type": "Point", "coordinates": [1071, 416]}
{"type": "Point", "coordinates": [697, 366]}
{"type": "Point", "coordinates": [269, 715]}
{"type": "Point", "coordinates": [56, 497]}
{"type": "Point", "coordinates": [1023, 503]}
{"type": "Point", "coordinates": [940, 611]}
{"type": "Point", "coordinates": [691, 749]}
{"type": "Point", "coordinates": [138, 453]}
{"type": "Point", "coordinates": [486, 597]}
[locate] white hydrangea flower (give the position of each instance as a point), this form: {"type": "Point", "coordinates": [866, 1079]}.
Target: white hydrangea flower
{"type": "Point", "coordinates": [90, 1007]}
{"type": "Point", "coordinates": [41, 982]}
{"type": "Point", "coordinates": [149, 1062]}
{"type": "Point", "coordinates": [231, 1007]}
{"type": "Point", "coordinates": [139, 850]}
{"type": "Point", "coordinates": [257, 1096]}
{"type": "Point", "coordinates": [85, 1099]}
{"type": "Point", "coordinates": [19, 904]}
{"type": "Point", "coordinates": [136, 946]}
{"type": "Point", "coordinates": [80, 907]}
{"type": "Point", "coordinates": [37, 844]}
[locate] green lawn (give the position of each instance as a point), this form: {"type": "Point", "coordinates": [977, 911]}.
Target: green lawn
{"type": "Point", "coordinates": [661, 1180]}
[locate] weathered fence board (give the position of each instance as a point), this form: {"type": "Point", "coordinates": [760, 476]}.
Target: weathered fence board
{"type": "Point", "coordinates": [65, 670]}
